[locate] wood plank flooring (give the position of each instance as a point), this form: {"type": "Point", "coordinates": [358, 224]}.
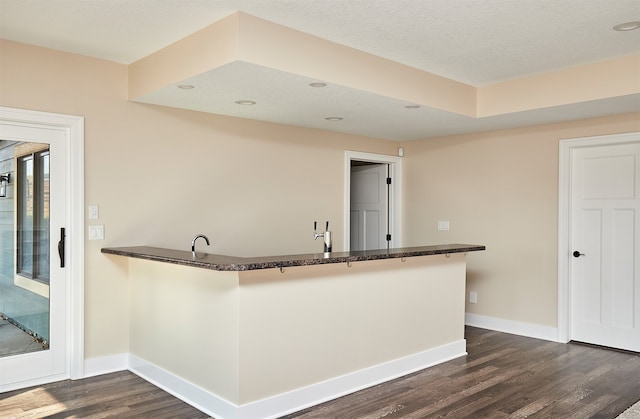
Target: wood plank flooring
{"type": "Point", "coordinates": [504, 376]}
{"type": "Point", "coordinates": [118, 395]}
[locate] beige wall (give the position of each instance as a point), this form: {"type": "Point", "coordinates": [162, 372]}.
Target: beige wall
{"type": "Point", "coordinates": [499, 189]}
{"type": "Point", "coordinates": [257, 334]}
{"type": "Point", "coordinates": [181, 314]}
{"type": "Point", "coordinates": [315, 323]}
{"type": "Point", "coordinates": [162, 175]}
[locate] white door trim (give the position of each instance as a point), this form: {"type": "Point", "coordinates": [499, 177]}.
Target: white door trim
{"type": "Point", "coordinates": [74, 127]}
{"type": "Point", "coordinates": [564, 220]}
{"type": "Point", "coordinates": [395, 164]}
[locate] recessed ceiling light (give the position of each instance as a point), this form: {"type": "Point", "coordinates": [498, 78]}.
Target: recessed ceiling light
{"type": "Point", "coordinates": [334, 118]}
{"type": "Point", "coordinates": [412, 106]}
{"type": "Point", "coordinates": [318, 84]}
{"type": "Point", "coordinates": [627, 26]}
{"type": "Point", "coordinates": [245, 102]}
{"type": "Point", "coordinates": [186, 86]}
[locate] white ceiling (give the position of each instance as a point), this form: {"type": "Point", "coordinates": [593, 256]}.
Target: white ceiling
{"type": "Point", "coordinates": [476, 42]}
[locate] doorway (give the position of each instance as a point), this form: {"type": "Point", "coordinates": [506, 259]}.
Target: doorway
{"type": "Point", "coordinates": [372, 201]}
{"type": "Point", "coordinates": [599, 235]}
{"type": "Point", "coordinates": [43, 264]}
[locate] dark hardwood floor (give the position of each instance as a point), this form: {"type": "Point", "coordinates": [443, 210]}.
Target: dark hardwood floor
{"type": "Point", "coordinates": [504, 376]}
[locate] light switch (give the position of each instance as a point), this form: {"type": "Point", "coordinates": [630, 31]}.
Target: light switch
{"type": "Point", "coordinates": [93, 212]}
{"type": "Point", "coordinates": [443, 225]}
{"type": "Point", "coordinates": [96, 232]}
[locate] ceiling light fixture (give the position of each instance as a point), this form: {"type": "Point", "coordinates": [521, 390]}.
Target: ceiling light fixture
{"type": "Point", "coordinates": [186, 86]}
{"type": "Point", "coordinates": [245, 102]}
{"type": "Point", "coordinates": [318, 84]}
{"type": "Point", "coordinates": [334, 118]}
{"type": "Point", "coordinates": [627, 26]}
{"type": "Point", "coordinates": [412, 106]}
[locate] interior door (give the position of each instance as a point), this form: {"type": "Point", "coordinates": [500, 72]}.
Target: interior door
{"type": "Point", "coordinates": [369, 206]}
{"type": "Point", "coordinates": [38, 273]}
{"type": "Point", "coordinates": [605, 235]}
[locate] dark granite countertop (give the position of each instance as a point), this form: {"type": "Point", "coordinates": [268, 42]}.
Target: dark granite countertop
{"type": "Point", "coordinates": [233, 263]}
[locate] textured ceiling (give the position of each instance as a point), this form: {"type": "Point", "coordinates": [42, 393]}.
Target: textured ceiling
{"type": "Point", "coordinates": [477, 42]}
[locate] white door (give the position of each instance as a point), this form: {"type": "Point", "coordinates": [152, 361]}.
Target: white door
{"type": "Point", "coordinates": [605, 245]}
{"type": "Point", "coordinates": [369, 207]}
{"type": "Point", "coordinates": [38, 270]}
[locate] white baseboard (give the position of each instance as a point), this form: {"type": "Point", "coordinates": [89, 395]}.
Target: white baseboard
{"type": "Point", "coordinates": [339, 386]}
{"type": "Point", "coordinates": [304, 397]}
{"type": "Point", "coordinates": [105, 365]}
{"type": "Point", "coordinates": [297, 399]}
{"type": "Point", "coordinates": [509, 326]}
{"type": "Point", "coordinates": [186, 391]}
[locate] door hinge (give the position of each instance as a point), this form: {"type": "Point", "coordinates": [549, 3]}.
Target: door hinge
{"type": "Point", "coordinates": [388, 237]}
{"type": "Point", "coordinates": [388, 181]}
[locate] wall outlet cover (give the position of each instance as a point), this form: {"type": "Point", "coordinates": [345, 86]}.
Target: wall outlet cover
{"type": "Point", "coordinates": [96, 232]}
{"type": "Point", "coordinates": [473, 297]}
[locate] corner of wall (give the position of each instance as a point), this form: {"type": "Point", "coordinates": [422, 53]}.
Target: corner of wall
{"type": "Point", "coordinates": [513, 327]}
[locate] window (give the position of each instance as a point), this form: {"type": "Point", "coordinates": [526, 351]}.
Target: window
{"type": "Point", "coordinates": [32, 201]}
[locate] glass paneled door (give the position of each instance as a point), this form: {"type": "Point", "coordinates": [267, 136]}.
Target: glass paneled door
{"type": "Point", "coordinates": [33, 281]}
{"type": "Point", "coordinates": [25, 271]}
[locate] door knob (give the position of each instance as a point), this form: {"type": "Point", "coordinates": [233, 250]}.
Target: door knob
{"type": "Point", "coordinates": [577, 254]}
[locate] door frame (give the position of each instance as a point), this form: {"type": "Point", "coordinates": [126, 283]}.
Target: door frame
{"type": "Point", "coordinates": [73, 126]}
{"type": "Point", "coordinates": [567, 148]}
{"type": "Point", "coordinates": [395, 199]}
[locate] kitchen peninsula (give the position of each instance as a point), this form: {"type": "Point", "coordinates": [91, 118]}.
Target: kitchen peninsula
{"type": "Point", "coordinates": [261, 337]}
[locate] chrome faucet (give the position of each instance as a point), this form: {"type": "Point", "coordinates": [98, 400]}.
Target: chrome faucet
{"type": "Point", "coordinates": [317, 235]}
{"type": "Point", "coordinates": [326, 236]}
{"type": "Point", "coordinates": [193, 242]}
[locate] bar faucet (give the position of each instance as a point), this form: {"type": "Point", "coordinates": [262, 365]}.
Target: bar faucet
{"type": "Point", "coordinates": [316, 235]}
{"type": "Point", "coordinates": [193, 242]}
{"type": "Point", "coordinates": [326, 236]}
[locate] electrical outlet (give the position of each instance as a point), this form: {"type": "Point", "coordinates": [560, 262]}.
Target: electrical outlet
{"type": "Point", "coordinates": [443, 225]}
{"type": "Point", "coordinates": [473, 297]}
{"type": "Point", "coordinates": [96, 232]}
